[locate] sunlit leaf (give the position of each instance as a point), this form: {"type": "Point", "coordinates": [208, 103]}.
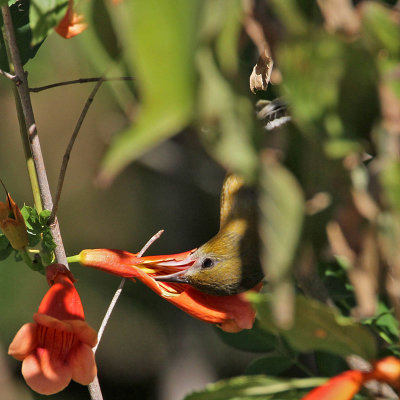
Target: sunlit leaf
{"type": "Point", "coordinates": [228, 130]}
{"type": "Point", "coordinates": [162, 42]}
{"type": "Point", "coordinates": [318, 327]}
{"type": "Point", "coordinates": [44, 15]}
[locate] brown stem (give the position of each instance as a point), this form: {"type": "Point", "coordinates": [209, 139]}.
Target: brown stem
{"type": "Point", "coordinates": [69, 149]}
{"type": "Point", "coordinates": [82, 80]}
{"type": "Point", "coordinates": [23, 92]}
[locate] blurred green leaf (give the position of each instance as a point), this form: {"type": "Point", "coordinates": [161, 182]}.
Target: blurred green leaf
{"type": "Point", "coordinates": [318, 327]}
{"type": "Point", "coordinates": [255, 387]}
{"type": "Point", "coordinates": [228, 128]}
{"type": "Point", "coordinates": [282, 209]}
{"type": "Point", "coordinates": [269, 365]}
{"type": "Point", "coordinates": [103, 26]}
{"type": "Point", "coordinates": [254, 340]}
{"type": "Point", "coordinates": [227, 40]}
{"type": "Point", "coordinates": [385, 323]}
{"type": "Point", "coordinates": [44, 15]}
{"type": "Point", "coordinates": [312, 67]}
{"type": "Point", "coordinates": [5, 253]}
{"type": "Point", "coordinates": [380, 28]}
{"type": "Point", "coordinates": [161, 53]}
{"type": "Point", "coordinates": [20, 17]}
{"type": "Point", "coordinates": [390, 180]}
{"type": "Point", "coordinates": [3, 242]}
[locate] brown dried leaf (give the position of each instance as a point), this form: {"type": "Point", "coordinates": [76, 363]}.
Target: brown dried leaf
{"type": "Point", "coordinates": [261, 74]}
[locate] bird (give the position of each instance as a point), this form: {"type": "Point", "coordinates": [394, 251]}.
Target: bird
{"type": "Point", "coordinates": [229, 262]}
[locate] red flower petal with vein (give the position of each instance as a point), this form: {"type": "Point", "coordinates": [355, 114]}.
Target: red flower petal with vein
{"type": "Point", "coordinates": [231, 313]}
{"type": "Point", "coordinates": [57, 347]}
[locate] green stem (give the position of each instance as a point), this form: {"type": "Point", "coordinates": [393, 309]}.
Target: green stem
{"type": "Point", "coordinates": [74, 259]}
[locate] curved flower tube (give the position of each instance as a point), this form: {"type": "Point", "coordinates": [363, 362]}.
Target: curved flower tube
{"type": "Point", "coordinates": [57, 347]}
{"type": "Point", "coordinates": [230, 313]}
{"type": "Point", "coordinates": [72, 23]}
{"type": "Point", "coordinates": [345, 385]}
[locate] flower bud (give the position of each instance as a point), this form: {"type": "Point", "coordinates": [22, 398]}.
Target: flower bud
{"type": "Point", "coordinates": [12, 224]}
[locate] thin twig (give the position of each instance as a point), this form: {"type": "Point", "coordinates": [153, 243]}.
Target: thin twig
{"type": "Point", "coordinates": [9, 76]}
{"type": "Point", "coordinates": [94, 387]}
{"type": "Point", "coordinates": [23, 92]}
{"type": "Point", "coordinates": [119, 290]}
{"type": "Point", "coordinates": [82, 80]}
{"type": "Point", "coordinates": [69, 149]}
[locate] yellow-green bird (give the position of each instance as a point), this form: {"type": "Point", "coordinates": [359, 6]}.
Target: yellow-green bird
{"type": "Point", "coordinates": [229, 262]}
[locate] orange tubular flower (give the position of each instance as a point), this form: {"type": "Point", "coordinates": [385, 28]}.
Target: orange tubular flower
{"type": "Point", "coordinates": [345, 385]}
{"type": "Point", "coordinates": [72, 24]}
{"type": "Point", "coordinates": [12, 224]}
{"type": "Point", "coordinates": [231, 313]}
{"type": "Point", "coordinates": [57, 347]}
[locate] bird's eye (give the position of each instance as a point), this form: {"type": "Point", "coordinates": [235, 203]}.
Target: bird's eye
{"type": "Point", "coordinates": [207, 263]}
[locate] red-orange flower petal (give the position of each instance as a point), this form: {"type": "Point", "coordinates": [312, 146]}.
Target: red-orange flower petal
{"type": "Point", "coordinates": [387, 370]}
{"type": "Point", "coordinates": [72, 24]}
{"type": "Point", "coordinates": [340, 387]}
{"type": "Point", "coordinates": [231, 313]}
{"type": "Point", "coordinates": [57, 346]}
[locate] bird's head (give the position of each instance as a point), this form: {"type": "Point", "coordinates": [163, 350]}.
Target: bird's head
{"type": "Point", "coordinates": [228, 263]}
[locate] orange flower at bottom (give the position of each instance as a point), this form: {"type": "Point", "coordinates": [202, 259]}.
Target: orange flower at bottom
{"type": "Point", "coordinates": [57, 347]}
{"type": "Point", "coordinates": [345, 385]}
{"type": "Point", "coordinates": [231, 313]}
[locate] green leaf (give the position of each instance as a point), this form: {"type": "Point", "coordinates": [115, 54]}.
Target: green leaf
{"type": "Point", "coordinates": [44, 15]}
{"type": "Point", "coordinates": [48, 242]}
{"type": "Point", "coordinates": [31, 219]}
{"type": "Point", "coordinates": [4, 242]}
{"type": "Point", "coordinates": [269, 365]}
{"type": "Point", "coordinates": [380, 28]}
{"type": "Point", "coordinates": [282, 208]}
{"type": "Point", "coordinates": [318, 327]}
{"type": "Point", "coordinates": [228, 130]}
{"type": "Point", "coordinates": [255, 387]}
{"type": "Point", "coordinates": [253, 340]}
{"type": "Point", "coordinates": [312, 68]}
{"type": "Point", "coordinates": [161, 49]}
{"type": "Point", "coordinates": [385, 323]}
{"type": "Point", "coordinates": [20, 17]}
{"type": "Point", "coordinates": [390, 179]}
{"type": "Point", "coordinates": [5, 253]}
{"type": "Point", "coordinates": [103, 26]}
{"type": "Point", "coordinates": [44, 217]}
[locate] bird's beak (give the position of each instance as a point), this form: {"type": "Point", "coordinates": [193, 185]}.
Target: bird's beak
{"type": "Point", "coordinates": [177, 277]}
